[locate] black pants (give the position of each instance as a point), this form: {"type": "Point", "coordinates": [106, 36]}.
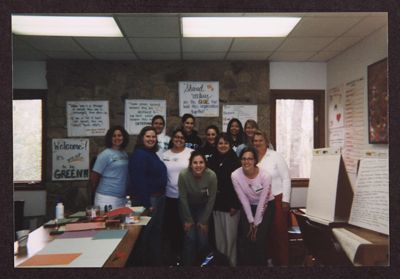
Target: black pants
{"type": "Point", "coordinates": [254, 252]}
{"type": "Point", "coordinates": [173, 228]}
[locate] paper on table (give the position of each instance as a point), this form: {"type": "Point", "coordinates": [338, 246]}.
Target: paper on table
{"type": "Point", "coordinates": [94, 253]}
{"type": "Point", "coordinates": [349, 241]}
{"type": "Point", "coordinates": [85, 226]}
{"type": "Point", "coordinates": [144, 220]}
{"type": "Point", "coordinates": [77, 234]}
{"type": "Point", "coordinates": [50, 259]}
{"type": "Point", "coordinates": [78, 214]}
{"type": "Point", "coordinates": [109, 234]}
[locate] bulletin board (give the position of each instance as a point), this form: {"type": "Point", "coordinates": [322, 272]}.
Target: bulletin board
{"type": "Point", "coordinates": [200, 98]}
{"type": "Point", "coordinates": [139, 113]}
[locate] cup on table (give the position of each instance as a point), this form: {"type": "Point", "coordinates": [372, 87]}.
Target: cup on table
{"type": "Point", "coordinates": [22, 237]}
{"type": "Point", "coordinates": [92, 212]}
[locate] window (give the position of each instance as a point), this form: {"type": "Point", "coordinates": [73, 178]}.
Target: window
{"type": "Point", "coordinates": [28, 138]}
{"type": "Point", "coordinates": [297, 128]}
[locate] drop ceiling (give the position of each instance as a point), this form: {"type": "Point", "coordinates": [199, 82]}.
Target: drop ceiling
{"type": "Point", "coordinates": [318, 37]}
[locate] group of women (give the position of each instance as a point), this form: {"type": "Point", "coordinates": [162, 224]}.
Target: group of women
{"type": "Point", "coordinates": [233, 182]}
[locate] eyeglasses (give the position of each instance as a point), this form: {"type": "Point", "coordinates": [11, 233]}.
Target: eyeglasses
{"type": "Point", "coordinates": [246, 159]}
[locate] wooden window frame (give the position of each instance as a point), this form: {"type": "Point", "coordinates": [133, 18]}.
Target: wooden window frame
{"type": "Point", "coordinates": [318, 96]}
{"type": "Point", "coordinates": [34, 94]}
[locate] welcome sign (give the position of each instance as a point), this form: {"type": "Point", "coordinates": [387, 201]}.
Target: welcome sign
{"type": "Point", "coordinates": [70, 159]}
{"type": "Point", "coordinates": [200, 98]}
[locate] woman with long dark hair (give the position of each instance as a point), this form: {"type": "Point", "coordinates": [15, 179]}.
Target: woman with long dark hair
{"type": "Point", "coordinates": [110, 171]}
{"type": "Point", "coordinates": [209, 147]}
{"type": "Point", "coordinates": [235, 132]}
{"type": "Point", "coordinates": [193, 141]}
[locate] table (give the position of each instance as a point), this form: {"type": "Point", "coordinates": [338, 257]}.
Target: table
{"type": "Point", "coordinates": [40, 237]}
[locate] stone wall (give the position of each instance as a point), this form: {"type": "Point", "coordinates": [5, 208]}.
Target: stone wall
{"type": "Point", "coordinates": [240, 83]}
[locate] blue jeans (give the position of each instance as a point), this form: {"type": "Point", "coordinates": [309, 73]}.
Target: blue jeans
{"type": "Point", "coordinates": [196, 243]}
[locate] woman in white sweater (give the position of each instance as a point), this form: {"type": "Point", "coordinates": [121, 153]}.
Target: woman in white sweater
{"type": "Point", "coordinates": [176, 158]}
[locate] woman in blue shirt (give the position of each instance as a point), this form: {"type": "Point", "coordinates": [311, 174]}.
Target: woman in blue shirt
{"type": "Point", "coordinates": [110, 171]}
{"type": "Point", "coordinates": [148, 178]}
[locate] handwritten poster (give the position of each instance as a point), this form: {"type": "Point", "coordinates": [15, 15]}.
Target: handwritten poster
{"type": "Point", "coordinates": [241, 112]}
{"type": "Point", "coordinates": [138, 113]}
{"type": "Point", "coordinates": [87, 118]}
{"type": "Point", "coordinates": [70, 159]}
{"type": "Point", "coordinates": [200, 98]}
{"type": "Point", "coordinates": [354, 130]}
{"type": "Point", "coordinates": [370, 207]}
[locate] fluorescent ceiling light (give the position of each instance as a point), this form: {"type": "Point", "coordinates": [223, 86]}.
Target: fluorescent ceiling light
{"type": "Point", "coordinates": [238, 26]}
{"type": "Point", "coordinates": [75, 26]}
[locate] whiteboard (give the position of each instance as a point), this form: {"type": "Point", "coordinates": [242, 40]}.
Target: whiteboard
{"type": "Point", "coordinates": [370, 209]}
{"type": "Point", "coordinates": [139, 113]}
{"type": "Point", "coordinates": [87, 118]}
{"type": "Point", "coordinates": [241, 112]}
{"type": "Point", "coordinates": [200, 98]}
{"type": "Point", "coordinates": [322, 189]}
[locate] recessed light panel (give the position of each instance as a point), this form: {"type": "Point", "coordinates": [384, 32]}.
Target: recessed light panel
{"type": "Point", "coordinates": [75, 26]}
{"type": "Point", "coordinates": [238, 26]}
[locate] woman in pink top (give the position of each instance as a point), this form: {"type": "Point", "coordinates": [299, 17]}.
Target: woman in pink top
{"type": "Point", "coordinates": [253, 188]}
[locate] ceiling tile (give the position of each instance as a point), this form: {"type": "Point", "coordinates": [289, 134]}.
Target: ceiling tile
{"type": "Point", "coordinates": [203, 55]}
{"type": "Point", "coordinates": [150, 26]}
{"type": "Point", "coordinates": [342, 43]}
{"type": "Point", "coordinates": [52, 43]}
{"type": "Point", "coordinates": [205, 44]}
{"type": "Point", "coordinates": [305, 44]}
{"type": "Point", "coordinates": [104, 44]}
{"type": "Point", "coordinates": [114, 55]}
{"type": "Point", "coordinates": [68, 55]}
{"type": "Point", "coordinates": [255, 44]}
{"type": "Point", "coordinates": [323, 26]}
{"type": "Point", "coordinates": [155, 44]}
{"type": "Point", "coordinates": [367, 26]}
{"type": "Point", "coordinates": [338, 14]}
{"type": "Point", "coordinates": [159, 56]}
{"type": "Point", "coordinates": [291, 56]}
{"type": "Point", "coordinates": [248, 55]}
{"type": "Point", "coordinates": [324, 56]}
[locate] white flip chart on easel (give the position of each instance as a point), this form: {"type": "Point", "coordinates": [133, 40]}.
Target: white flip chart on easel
{"type": "Point", "coordinates": [329, 192]}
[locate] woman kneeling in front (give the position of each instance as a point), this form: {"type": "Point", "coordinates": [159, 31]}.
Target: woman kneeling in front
{"type": "Point", "coordinates": [253, 188]}
{"type": "Point", "coordinates": [197, 189]}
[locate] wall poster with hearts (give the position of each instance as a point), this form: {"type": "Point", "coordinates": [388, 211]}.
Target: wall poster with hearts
{"type": "Point", "coordinates": [335, 116]}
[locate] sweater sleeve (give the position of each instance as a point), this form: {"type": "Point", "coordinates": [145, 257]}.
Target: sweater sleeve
{"type": "Point", "coordinates": [264, 198]}
{"type": "Point", "coordinates": [212, 188]}
{"type": "Point", "coordinates": [183, 200]}
{"type": "Point", "coordinates": [243, 199]}
{"type": "Point", "coordinates": [138, 181]}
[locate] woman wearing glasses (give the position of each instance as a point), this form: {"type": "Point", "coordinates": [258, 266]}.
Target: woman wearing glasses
{"type": "Point", "coordinates": [253, 188]}
{"type": "Point", "coordinates": [176, 158]}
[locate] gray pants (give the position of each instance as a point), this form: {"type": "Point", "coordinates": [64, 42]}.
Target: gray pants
{"type": "Point", "coordinates": [226, 227]}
